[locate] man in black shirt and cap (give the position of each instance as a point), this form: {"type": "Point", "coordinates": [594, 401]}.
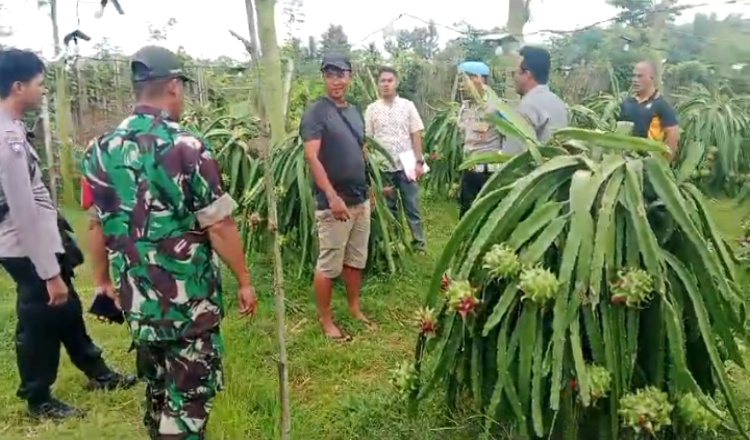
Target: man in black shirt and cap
{"type": "Point", "coordinates": [333, 133]}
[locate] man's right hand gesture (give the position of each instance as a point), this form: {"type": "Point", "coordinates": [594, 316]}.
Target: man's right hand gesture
{"type": "Point", "coordinates": [247, 300]}
{"type": "Point", "coordinates": [57, 291]}
{"type": "Point", "coordinates": [338, 208]}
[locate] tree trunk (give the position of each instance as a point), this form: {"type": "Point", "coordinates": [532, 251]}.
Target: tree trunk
{"type": "Point", "coordinates": [271, 60]}
{"type": "Point", "coordinates": [287, 86]}
{"type": "Point", "coordinates": [55, 28]}
{"type": "Point", "coordinates": [49, 152]}
{"type": "Point", "coordinates": [272, 96]}
{"type": "Point", "coordinates": [658, 22]}
{"type": "Point", "coordinates": [251, 25]}
{"type": "Point", "coordinates": [63, 124]}
{"type": "Point", "coordinates": [51, 168]}
{"type": "Point", "coordinates": [518, 16]}
{"type": "Point", "coordinates": [62, 116]}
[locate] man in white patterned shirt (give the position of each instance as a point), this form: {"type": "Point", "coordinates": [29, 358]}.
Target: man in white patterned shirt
{"type": "Point", "coordinates": [395, 123]}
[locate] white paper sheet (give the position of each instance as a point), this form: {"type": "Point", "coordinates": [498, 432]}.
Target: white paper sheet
{"type": "Point", "coordinates": [409, 162]}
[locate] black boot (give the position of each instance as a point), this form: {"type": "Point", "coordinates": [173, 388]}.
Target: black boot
{"type": "Point", "coordinates": [53, 409]}
{"type": "Point", "coordinates": [111, 381]}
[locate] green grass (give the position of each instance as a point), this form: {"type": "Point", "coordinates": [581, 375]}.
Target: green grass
{"type": "Point", "coordinates": [339, 391]}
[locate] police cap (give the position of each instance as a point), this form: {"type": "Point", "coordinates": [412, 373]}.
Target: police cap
{"type": "Point", "coordinates": [474, 68]}
{"type": "Point", "coordinates": [155, 62]}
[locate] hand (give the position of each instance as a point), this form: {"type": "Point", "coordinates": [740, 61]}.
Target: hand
{"type": "Point", "coordinates": [338, 208]}
{"type": "Point", "coordinates": [109, 290]}
{"type": "Point", "coordinates": [57, 291]}
{"type": "Point", "coordinates": [247, 299]}
{"type": "Point", "coordinates": [419, 170]}
{"type": "Point", "coordinates": [388, 190]}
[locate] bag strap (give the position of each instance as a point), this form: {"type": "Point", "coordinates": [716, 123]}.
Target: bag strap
{"type": "Point", "coordinates": [360, 140]}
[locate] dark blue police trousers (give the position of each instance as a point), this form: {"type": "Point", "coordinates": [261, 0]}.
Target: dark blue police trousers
{"type": "Point", "coordinates": [42, 328]}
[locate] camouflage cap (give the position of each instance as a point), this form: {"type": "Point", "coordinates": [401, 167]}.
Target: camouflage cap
{"type": "Point", "coordinates": [155, 62]}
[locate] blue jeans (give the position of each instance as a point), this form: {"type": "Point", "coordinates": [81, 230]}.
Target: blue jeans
{"type": "Point", "coordinates": [409, 192]}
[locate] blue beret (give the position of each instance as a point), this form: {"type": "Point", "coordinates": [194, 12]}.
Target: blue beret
{"type": "Point", "coordinates": [474, 68]}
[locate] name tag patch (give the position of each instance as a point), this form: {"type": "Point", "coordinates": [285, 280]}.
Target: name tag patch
{"type": "Point", "coordinates": [15, 142]}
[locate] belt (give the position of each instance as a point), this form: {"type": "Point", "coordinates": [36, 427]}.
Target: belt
{"type": "Point", "coordinates": [486, 168]}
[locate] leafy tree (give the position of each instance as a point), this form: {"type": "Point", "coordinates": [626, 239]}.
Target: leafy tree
{"type": "Point", "coordinates": [422, 41]}
{"type": "Point", "coordinates": [157, 34]}
{"type": "Point", "coordinates": [311, 51]}
{"type": "Point", "coordinates": [5, 30]}
{"type": "Point", "coordinates": [335, 40]}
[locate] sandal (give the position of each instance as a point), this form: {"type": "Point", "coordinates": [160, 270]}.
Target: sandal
{"type": "Point", "coordinates": [343, 338]}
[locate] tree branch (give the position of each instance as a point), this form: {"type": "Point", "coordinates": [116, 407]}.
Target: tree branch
{"type": "Point", "coordinates": [248, 45]}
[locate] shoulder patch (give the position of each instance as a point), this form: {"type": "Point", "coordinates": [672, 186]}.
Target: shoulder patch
{"type": "Point", "coordinates": [14, 141]}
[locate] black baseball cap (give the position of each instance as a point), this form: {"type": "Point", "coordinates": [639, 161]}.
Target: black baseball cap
{"type": "Point", "coordinates": [156, 62]}
{"type": "Point", "coordinates": [336, 61]}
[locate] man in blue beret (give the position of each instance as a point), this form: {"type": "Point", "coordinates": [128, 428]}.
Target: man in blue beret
{"type": "Point", "coordinates": [479, 135]}
{"type": "Point", "coordinates": [541, 107]}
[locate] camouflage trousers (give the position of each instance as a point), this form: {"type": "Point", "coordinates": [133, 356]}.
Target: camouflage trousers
{"type": "Point", "coordinates": [182, 378]}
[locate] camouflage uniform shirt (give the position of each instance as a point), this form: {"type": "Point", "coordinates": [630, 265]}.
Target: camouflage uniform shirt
{"type": "Point", "coordinates": [156, 188]}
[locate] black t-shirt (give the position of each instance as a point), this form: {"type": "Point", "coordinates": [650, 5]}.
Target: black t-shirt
{"type": "Point", "coordinates": [341, 152]}
{"type": "Point", "coordinates": [649, 117]}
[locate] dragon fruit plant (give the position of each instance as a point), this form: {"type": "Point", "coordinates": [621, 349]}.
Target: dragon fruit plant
{"type": "Point", "coordinates": [602, 273]}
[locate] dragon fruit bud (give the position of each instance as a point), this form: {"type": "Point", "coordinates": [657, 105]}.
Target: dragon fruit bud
{"type": "Point", "coordinates": [445, 283]}
{"type": "Point", "coordinates": [255, 219]}
{"type": "Point", "coordinates": [501, 261]}
{"type": "Point", "coordinates": [461, 298]}
{"type": "Point", "coordinates": [695, 415]}
{"type": "Point", "coordinates": [599, 381]}
{"type": "Point", "coordinates": [645, 411]}
{"type": "Point", "coordinates": [538, 284]}
{"type": "Point", "coordinates": [632, 287]}
{"type": "Point", "coordinates": [426, 321]}
{"type": "Point", "coordinates": [404, 378]}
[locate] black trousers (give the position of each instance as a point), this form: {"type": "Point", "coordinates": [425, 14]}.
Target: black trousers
{"type": "Point", "coordinates": [470, 186]}
{"type": "Point", "coordinates": [42, 329]}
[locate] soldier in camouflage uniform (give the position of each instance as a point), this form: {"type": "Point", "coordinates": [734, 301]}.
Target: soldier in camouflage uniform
{"type": "Point", "coordinates": [162, 214]}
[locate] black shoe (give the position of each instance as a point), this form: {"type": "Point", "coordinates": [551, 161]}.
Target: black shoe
{"type": "Point", "coordinates": [111, 381]}
{"type": "Point", "coordinates": [54, 409]}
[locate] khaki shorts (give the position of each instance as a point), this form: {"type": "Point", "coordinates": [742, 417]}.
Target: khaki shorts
{"type": "Point", "coordinates": [343, 243]}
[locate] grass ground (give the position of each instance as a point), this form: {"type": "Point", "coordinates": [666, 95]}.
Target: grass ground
{"type": "Point", "coordinates": [339, 391]}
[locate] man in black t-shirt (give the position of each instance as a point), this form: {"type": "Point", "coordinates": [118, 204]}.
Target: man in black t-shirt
{"type": "Point", "coordinates": [333, 134]}
{"type": "Point", "coordinates": [652, 116]}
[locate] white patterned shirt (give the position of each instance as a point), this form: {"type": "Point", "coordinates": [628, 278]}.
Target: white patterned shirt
{"type": "Point", "coordinates": [392, 124]}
